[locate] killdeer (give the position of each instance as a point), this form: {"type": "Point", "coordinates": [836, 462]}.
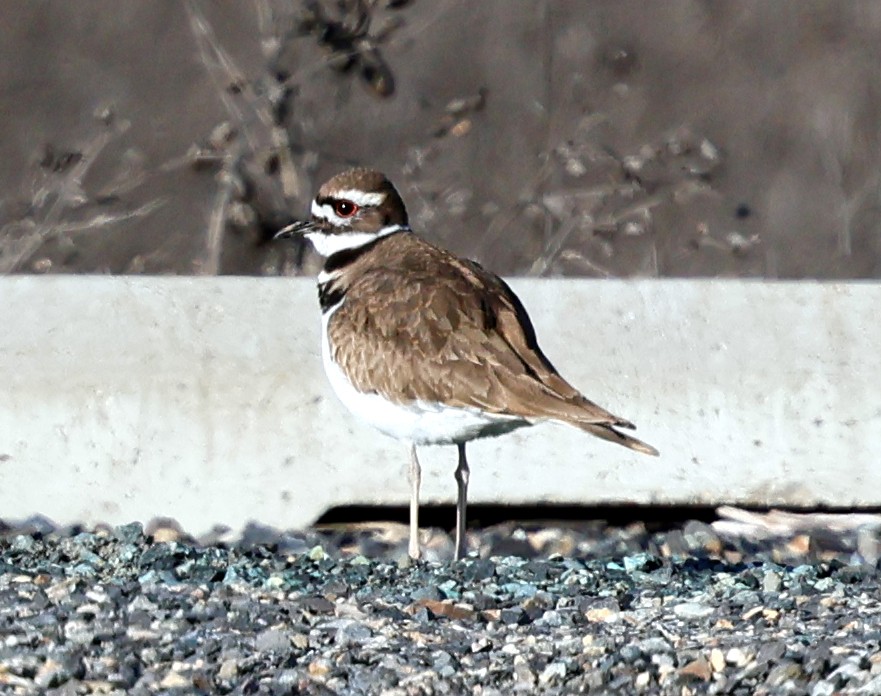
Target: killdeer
{"type": "Point", "coordinates": [425, 346]}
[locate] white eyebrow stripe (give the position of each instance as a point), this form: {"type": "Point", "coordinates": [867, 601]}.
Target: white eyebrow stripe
{"type": "Point", "coordinates": [325, 212]}
{"type": "Point", "coordinates": [361, 198]}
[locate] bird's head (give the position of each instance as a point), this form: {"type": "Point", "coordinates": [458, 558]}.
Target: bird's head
{"type": "Point", "coordinates": [351, 209]}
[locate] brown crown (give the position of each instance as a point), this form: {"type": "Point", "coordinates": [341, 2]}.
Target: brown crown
{"type": "Point", "coordinates": [390, 212]}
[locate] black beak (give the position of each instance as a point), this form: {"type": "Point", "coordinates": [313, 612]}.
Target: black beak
{"type": "Point", "coordinates": [294, 229]}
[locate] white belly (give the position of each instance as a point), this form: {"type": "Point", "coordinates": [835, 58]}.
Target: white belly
{"type": "Point", "coordinates": [419, 422]}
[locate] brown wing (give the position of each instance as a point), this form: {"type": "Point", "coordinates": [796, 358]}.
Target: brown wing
{"type": "Point", "coordinates": [480, 350]}
{"type": "Point", "coordinates": [514, 325]}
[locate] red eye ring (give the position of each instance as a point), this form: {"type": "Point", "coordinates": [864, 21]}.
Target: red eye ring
{"type": "Point", "coordinates": [344, 208]}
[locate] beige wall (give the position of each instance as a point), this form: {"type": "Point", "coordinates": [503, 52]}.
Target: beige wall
{"type": "Point", "coordinates": [205, 400]}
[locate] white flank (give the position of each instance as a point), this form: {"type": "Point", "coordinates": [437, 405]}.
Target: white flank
{"type": "Point", "coordinates": [419, 422]}
{"type": "Point", "coordinates": [329, 243]}
{"type": "Point", "coordinates": [360, 198]}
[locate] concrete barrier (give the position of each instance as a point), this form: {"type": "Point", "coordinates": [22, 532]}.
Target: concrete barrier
{"type": "Point", "coordinates": [124, 398]}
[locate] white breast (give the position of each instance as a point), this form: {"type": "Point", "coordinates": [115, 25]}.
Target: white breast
{"type": "Point", "coordinates": [419, 422]}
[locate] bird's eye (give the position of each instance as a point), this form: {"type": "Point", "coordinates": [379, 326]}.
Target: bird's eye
{"type": "Point", "coordinates": [345, 208]}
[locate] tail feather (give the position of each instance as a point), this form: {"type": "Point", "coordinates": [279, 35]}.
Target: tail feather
{"type": "Point", "coordinates": [607, 432]}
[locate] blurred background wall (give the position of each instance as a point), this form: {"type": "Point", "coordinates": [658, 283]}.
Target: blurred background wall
{"type": "Point", "coordinates": [559, 137]}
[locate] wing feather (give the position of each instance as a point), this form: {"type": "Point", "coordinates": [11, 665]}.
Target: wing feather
{"type": "Point", "coordinates": [480, 350]}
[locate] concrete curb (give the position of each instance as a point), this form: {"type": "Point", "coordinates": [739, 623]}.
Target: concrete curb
{"type": "Point", "coordinates": [124, 398]}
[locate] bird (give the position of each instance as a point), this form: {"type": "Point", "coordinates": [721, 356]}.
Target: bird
{"type": "Point", "coordinates": [427, 347]}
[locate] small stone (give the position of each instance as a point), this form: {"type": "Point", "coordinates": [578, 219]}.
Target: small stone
{"type": "Point", "coordinates": [824, 584]}
{"type": "Point", "coordinates": [492, 614]}
{"type": "Point", "coordinates": [450, 590]}
{"type": "Point", "coordinates": [447, 608]}
{"type": "Point", "coordinates": [512, 615]}
{"type": "Point", "coordinates": [602, 615]}
{"type": "Point", "coordinates": [652, 646]}
{"type": "Point", "coordinates": [429, 592]}
{"type": "Point", "coordinates": [482, 644]}
{"type": "Point", "coordinates": [271, 640]}
{"type": "Point", "coordinates": [771, 652]}
{"type": "Point", "coordinates": [317, 553]}
{"type": "Point", "coordinates": [478, 569]}
{"type": "Point", "coordinates": [750, 613]}
{"type": "Point", "coordinates": [782, 673]}
{"type": "Point", "coordinates": [50, 674]}
{"type": "Point", "coordinates": [869, 545]}
{"type": "Point", "coordinates": [352, 633]}
{"type": "Point", "coordinates": [441, 658]}
{"type": "Point", "coordinates": [664, 663]}
{"type": "Point", "coordinates": [164, 530]}
{"type": "Point", "coordinates": [823, 688]}
{"type": "Point", "coordinates": [640, 561]}
{"type": "Point", "coordinates": [229, 669]}
{"type": "Point", "coordinates": [697, 669]}
{"type": "Point", "coordinates": [552, 672]}
{"type": "Point", "coordinates": [520, 590]}
{"type": "Point", "coordinates": [693, 610]}
{"type": "Point", "coordinates": [287, 679]}
{"type": "Point", "coordinates": [717, 660]}
{"type": "Point", "coordinates": [349, 610]}
{"type": "Point", "coordinates": [175, 680]}
{"type": "Point", "coordinates": [319, 667]}
{"type": "Point", "coordinates": [78, 631]}
{"type": "Point", "coordinates": [630, 653]}
{"type": "Point", "coordinates": [129, 533]}
{"type": "Point", "coordinates": [736, 657]}
{"type": "Point", "coordinates": [799, 544]}
{"type": "Point", "coordinates": [318, 605]}
{"type": "Point", "coordinates": [22, 543]}
{"type": "Point", "coordinates": [522, 672]}
{"type": "Point", "coordinates": [550, 618]}
{"type": "Point", "coordinates": [771, 582]}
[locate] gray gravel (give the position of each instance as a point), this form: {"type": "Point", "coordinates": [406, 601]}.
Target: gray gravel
{"type": "Point", "coordinates": [343, 611]}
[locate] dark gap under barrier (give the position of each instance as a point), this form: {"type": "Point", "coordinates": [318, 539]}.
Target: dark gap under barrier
{"type": "Point", "coordinates": [654, 517]}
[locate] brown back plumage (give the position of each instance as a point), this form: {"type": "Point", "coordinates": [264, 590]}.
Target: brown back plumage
{"type": "Point", "coordinates": [418, 323]}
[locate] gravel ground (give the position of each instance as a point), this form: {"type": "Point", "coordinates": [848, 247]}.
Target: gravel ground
{"type": "Point", "coordinates": [582, 608]}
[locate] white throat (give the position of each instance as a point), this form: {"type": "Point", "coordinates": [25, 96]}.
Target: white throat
{"type": "Point", "coordinates": [330, 243]}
